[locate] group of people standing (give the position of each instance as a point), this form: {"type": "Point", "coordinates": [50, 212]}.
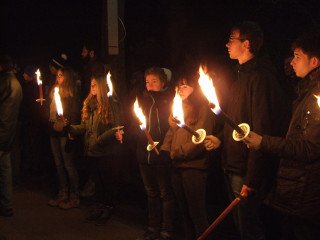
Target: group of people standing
{"type": "Point", "coordinates": [277, 164]}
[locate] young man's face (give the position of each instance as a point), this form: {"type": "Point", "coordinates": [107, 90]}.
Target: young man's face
{"type": "Point", "coordinates": [153, 83]}
{"type": "Point", "coordinates": [302, 64]}
{"type": "Point", "coordinates": [235, 45]}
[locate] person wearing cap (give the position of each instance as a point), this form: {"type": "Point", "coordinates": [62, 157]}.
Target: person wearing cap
{"type": "Point", "coordinates": [189, 160]}
{"type": "Point", "coordinates": [155, 102]}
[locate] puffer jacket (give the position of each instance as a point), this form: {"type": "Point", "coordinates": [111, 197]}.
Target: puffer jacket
{"type": "Point", "coordinates": [99, 138]}
{"type": "Point", "coordinates": [10, 99]}
{"type": "Point", "coordinates": [297, 188]}
{"type": "Point", "coordinates": [178, 141]}
{"type": "Point", "coordinates": [156, 107]}
{"type": "Point", "coordinates": [256, 99]}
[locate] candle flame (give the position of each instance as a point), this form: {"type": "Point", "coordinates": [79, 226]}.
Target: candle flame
{"type": "Point", "coordinates": [177, 110]}
{"type": "Point", "coordinates": [140, 115]}
{"type": "Point", "coordinates": [57, 99]}
{"type": "Point", "coordinates": [318, 99]}
{"type": "Point", "coordinates": [38, 77]}
{"type": "Point", "coordinates": [109, 83]}
{"type": "Point", "coordinates": [208, 90]}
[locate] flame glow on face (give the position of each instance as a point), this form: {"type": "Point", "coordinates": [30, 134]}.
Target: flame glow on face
{"type": "Point", "coordinates": [139, 114]}
{"type": "Point", "coordinates": [318, 99]}
{"type": "Point", "coordinates": [109, 83]}
{"type": "Point", "coordinates": [208, 90]}
{"type": "Point", "coordinates": [57, 99]}
{"type": "Point", "coordinates": [177, 110]}
{"type": "Point", "coordinates": [38, 77]}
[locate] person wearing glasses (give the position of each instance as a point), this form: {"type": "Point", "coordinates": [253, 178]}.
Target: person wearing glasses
{"type": "Point", "coordinates": [256, 98]}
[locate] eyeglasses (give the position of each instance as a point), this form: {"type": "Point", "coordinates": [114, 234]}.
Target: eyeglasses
{"type": "Point", "coordinates": [233, 38]}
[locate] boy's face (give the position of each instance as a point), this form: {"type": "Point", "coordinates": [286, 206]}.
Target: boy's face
{"type": "Point", "coordinates": [302, 64]}
{"type": "Point", "coordinates": [153, 83]}
{"type": "Point", "coordinates": [235, 45]}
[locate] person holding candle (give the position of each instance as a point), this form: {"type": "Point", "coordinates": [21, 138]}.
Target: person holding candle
{"type": "Point", "coordinates": [257, 99]}
{"type": "Point", "coordinates": [189, 160]}
{"type": "Point", "coordinates": [155, 103]}
{"type": "Point", "coordinates": [296, 193]}
{"type": "Point", "coordinates": [100, 117]}
{"type": "Point", "coordinates": [68, 196]}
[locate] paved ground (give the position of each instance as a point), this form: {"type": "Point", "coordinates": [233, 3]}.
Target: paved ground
{"type": "Point", "coordinates": [34, 220]}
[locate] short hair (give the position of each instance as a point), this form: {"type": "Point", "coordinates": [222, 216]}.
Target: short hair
{"type": "Point", "coordinates": [157, 71]}
{"type": "Point", "coordinates": [309, 43]}
{"type": "Point", "coordinates": [252, 32]}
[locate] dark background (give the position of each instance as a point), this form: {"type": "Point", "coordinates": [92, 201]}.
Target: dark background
{"type": "Point", "coordinates": [166, 33]}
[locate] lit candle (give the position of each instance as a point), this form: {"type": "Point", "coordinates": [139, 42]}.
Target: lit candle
{"type": "Point", "coordinates": [209, 91]}
{"type": "Point", "coordinates": [178, 118]}
{"type": "Point", "coordinates": [39, 81]}
{"type": "Point", "coordinates": [143, 126]}
{"type": "Point", "coordinates": [57, 100]}
{"type": "Point", "coordinates": [110, 86]}
{"type": "Point", "coordinates": [318, 99]}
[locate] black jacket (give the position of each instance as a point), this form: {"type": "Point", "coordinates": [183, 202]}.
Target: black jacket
{"type": "Point", "coordinates": [156, 107]}
{"type": "Point", "coordinates": [256, 99]}
{"type": "Point", "coordinates": [10, 99]}
{"type": "Point", "coordinates": [297, 189]}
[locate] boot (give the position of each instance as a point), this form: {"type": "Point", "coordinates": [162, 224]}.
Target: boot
{"type": "Point", "coordinates": [62, 196]}
{"type": "Point", "coordinates": [73, 202]}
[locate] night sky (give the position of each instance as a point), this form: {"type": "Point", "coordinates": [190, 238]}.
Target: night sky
{"type": "Point", "coordinates": [162, 33]}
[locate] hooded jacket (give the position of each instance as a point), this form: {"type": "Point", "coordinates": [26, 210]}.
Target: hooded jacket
{"type": "Point", "coordinates": [297, 188]}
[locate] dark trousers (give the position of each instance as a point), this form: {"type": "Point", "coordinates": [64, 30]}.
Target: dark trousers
{"type": "Point", "coordinates": [295, 228]}
{"type": "Point", "coordinates": [102, 172]}
{"type": "Point", "coordinates": [156, 180]}
{"type": "Point", "coordinates": [189, 186]}
{"type": "Point", "coordinates": [247, 214]}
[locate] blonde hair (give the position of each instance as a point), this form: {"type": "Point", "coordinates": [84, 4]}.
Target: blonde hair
{"type": "Point", "coordinates": [102, 99]}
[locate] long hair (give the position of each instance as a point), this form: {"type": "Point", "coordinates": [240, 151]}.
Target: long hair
{"type": "Point", "coordinates": [102, 101]}
{"type": "Point", "coordinates": [68, 86]}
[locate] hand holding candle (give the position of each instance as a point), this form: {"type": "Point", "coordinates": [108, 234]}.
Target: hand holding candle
{"type": "Point", "coordinates": [39, 81]}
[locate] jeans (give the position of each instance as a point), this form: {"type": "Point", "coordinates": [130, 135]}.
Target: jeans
{"type": "Point", "coordinates": [189, 186]}
{"type": "Point", "coordinates": [247, 213]}
{"type": "Point", "coordinates": [5, 181]}
{"type": "Point", "coordinates": [156, 179]}
{"type": "Point", "coordinates": [66, 170]}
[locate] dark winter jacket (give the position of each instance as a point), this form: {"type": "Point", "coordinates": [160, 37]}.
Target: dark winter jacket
{"type": "Point", "coordinates": [10, 99]}
{"type": "Point", "coordinates": [99, 138]}
{"type": "Point", "coordinates": [156, 107]}
{"type": "Point", "coordinates": [297, 189]}
{"type": "Point", "coordinates": [256, 99]}
{"type": "Point", "coordinates": [178, 141]}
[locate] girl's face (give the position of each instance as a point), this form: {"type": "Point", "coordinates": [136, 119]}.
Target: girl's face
{"type": "Point", "coordinates": [184, 91]}
{"type": "Point", "coordinates": [153, 83]}
{"type": "Point", "coordinates": [60, 77]}
{"type": "Point", "coordinates": [94, 87]}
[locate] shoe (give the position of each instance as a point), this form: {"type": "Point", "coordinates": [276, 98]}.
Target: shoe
{"type": "Point", "coordinates": [7, 212]}
{"type": "Point", "coordinates": [149, 235]}
{"type": "Point", "coordinates": [105, 216]}
{"type": "Point", "coordinates": [73, 202]}
{"type": "Point", "coordinates": [61, 197]}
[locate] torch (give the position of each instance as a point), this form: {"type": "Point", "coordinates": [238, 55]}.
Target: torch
{"type": "Point", "coordinates": [57, 100]}
{"type": "Point", "coordinates": [318, 99]}
{"type": "Point", "coordinates": [109, 94]}
{"type": "Point", "coordinates": [219, 219]}
{"type": "Point", "coordinates": [178, 117]}
{"type": "Point", "coordinates": [240, 131]}
{"type": "Point", "coordinates": [39, 81]}
{"type": "Point", "coordinates": [152, 144]}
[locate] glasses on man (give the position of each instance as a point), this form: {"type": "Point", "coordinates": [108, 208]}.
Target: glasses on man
{"type": "Point", "coordinates": [232, 39]}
